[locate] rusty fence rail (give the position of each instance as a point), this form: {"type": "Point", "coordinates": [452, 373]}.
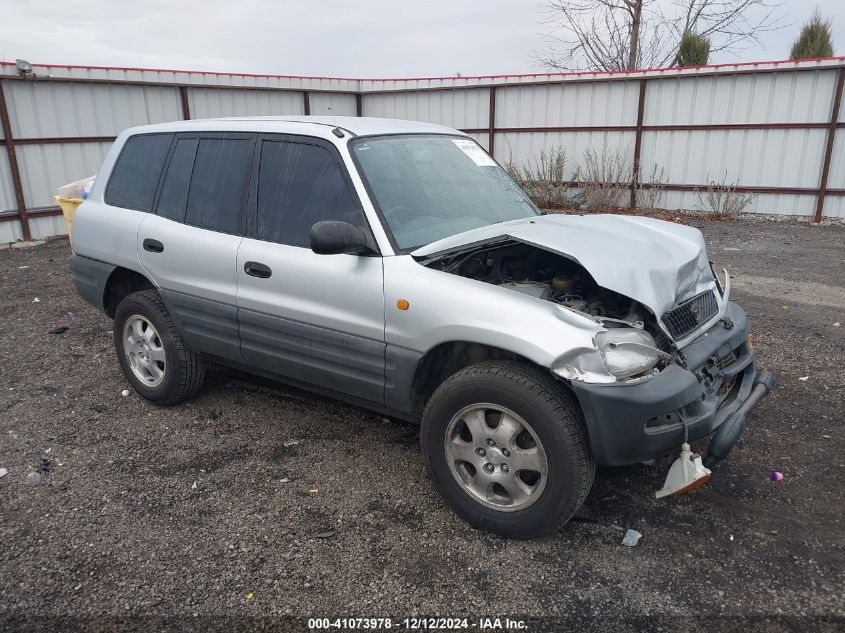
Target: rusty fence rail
{"type": "Point", "coordinates": [57, 124]}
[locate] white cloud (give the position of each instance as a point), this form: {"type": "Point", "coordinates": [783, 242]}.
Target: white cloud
{"type": "Point", "coordinates": [377, 38]}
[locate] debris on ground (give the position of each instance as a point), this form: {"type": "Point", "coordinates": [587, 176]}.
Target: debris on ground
{"type": "Point", "coordinates": [804, 378]}
{"type": "Point", "coordinates": [45, 465]}
{"type": "Point", "coordinates": [312, 491]}
{"type": "Point", "coordinates": [59, 330]}
{"type": "Point", "coordinates": [36, 300]}
{"type": "Point", "coordinates": [215, 414]}
{"type": "Point", "coordinates": [289, 443]}
{"type": "Point", "coordinates": [837, 324]}
{"type": "Point", "coordinates": [194, 486]}
{"type": "Point", "coordinates": [3, 472]}
{"type": "Point", "coordinates": [631, 538]}
{"type": "Point", "coordinates": [32, 479]}
{"type": "Point", "coordinates": [284, 480]}
{"type": "Point", "coordinates": [250, 595]}
{"type": "Point", "coordinates": [777, 475]}
{"type": "Point", "coordinates": [124, 393]}
{"type": "Point", "coordinates": [326, 534]}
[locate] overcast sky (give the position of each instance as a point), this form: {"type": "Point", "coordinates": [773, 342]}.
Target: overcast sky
{"type": "Point", "coordinates": [351, 38]}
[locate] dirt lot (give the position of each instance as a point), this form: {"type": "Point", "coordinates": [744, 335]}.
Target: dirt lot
{"type": "Point", "coordinates": [198, 516]}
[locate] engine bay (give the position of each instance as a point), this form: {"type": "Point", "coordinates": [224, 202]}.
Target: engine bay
{"type": "Point", "coordinates": [551, 277]}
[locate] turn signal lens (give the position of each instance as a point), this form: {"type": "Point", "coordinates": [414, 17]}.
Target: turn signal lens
{"type": "Point", "coordinates": [402, 304]}
{"type": "Point", "coordinates": [750, 340]}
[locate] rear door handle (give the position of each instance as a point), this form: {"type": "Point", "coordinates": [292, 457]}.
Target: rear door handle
{"type": "Point", "coordinates": [256, 269]}
{"type": "Point", "coordinates": [153, 246]}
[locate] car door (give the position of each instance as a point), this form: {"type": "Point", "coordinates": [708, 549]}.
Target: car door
{"type": "Point", "coordinates": [314, 318]}
{"type": "Point", "coordinates": [189, 246]}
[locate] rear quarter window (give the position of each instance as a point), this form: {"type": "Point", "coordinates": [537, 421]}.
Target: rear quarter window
{"type": "Point", "coordinates": [134, 179]}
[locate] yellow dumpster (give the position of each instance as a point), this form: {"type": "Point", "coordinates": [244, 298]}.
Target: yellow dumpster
{"type": "Point", "coordinates": [69, 206]}
{"type": "Point", "coordinates": [70, 196]}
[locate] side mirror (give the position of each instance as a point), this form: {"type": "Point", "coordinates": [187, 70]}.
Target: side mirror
{"type": "Point", "coordinates": [331, 237]}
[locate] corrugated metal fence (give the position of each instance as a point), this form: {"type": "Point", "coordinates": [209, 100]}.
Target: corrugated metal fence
{"type": "Point", "coordinates": [769, 127]}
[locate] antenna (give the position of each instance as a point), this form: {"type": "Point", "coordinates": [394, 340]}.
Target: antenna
{"type": "Point", "coordinates": [336, 131]}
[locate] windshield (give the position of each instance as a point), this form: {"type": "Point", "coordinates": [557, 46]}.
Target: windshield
{"type": "Point", "coordinates": [429, 187]}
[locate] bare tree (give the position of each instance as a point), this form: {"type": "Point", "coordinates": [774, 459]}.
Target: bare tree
{"type": "Point", "coordinates": [630, 34]}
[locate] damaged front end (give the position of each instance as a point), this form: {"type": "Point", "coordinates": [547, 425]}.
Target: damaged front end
{"type": "Point", "coordinates": [671, 360]}
{"type": "Point", "coordinates": [631, 343]}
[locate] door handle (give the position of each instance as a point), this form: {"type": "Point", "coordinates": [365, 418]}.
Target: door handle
{"type": "Point", "coordinates": [256, 269]}
{"type": "Point", "coordinates": [153, 246]}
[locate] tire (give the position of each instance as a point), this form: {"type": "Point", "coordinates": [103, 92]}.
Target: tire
{"type": "Point", "coordinates": [498, 398]}
{"type": "Point", "coordinates": [180, 372]}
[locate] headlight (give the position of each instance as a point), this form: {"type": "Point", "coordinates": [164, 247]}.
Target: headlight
{"type": "Point", "coordinates": [627, 352]}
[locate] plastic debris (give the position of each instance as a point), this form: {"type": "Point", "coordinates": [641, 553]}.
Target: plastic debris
{"type": "Point", "coordinates": [250, 595]}
{"type": "Point", "coordinates": [32, 479]}
{"type": "Point", "coordinates": [632, 538]}
{"type": "Point", "coordinates": [284, 480]}
{"type": "Point", "coordinates": [124, 393]}
{"type": "Point", "coordinates": [194, 486]}
{"type": "Point", "coordinates": [312, 491]}
{"type": "Point", "coordinates": [804, 378]}
{"type": "Point", "coordinates": [3, 472]}
{"type": "Point", "coordinates": [731, 537]}
{"type": "Point", "coordinates": [36, 300]}
{"type": "Point", "coordinates": [59, 330]}
{"type": "Point", "coordinates": [289, 443]}
{"type": "Point", "coordinates": [326, 534]}
{"type": "Point", "coordinates": [837, 324]}
{"type": "Point", "coordinates": [44, 464]}
{"type": "Point", "coordinates": [22, 267]}
{"type": "Point", "coordinates": [776, 475]}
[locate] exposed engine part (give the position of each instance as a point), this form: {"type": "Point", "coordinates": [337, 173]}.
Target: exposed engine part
{"type": "Point", "coordinates": [551, 277]}
{"type": "Point", "coordinates": [536, 289]}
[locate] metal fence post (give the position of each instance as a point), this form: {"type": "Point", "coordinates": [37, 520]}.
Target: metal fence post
{"type": "Point", "coordinates": [828, 152]}
{"type": "Point", "coordinates": [186, 108]}
{"type": "Point", "coordinates": [359, 104]}
{"type": "Point", "coordinates": [638, 140]}
{"type": "Point", "coordinates": [13, 166]}
{"type": "Point", "coordinates": [306, 103]}
{"type": "Point", "coordinates": [491, 125]}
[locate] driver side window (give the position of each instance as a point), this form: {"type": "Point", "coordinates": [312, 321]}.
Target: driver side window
{"type": "Point", "coordinates": [300, 184]}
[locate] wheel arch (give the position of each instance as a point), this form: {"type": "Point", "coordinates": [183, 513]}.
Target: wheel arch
{"type": "Point", "coordinates": [121, 283]}
{"type": "Point", "coordinates": [447, 358]}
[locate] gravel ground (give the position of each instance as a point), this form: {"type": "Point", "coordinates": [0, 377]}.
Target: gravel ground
{"type": "Point", "coordinates": [199, 516]}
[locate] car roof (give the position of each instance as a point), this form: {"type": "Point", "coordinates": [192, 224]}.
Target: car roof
{"type": "Point", "coordinates": [310, 125]}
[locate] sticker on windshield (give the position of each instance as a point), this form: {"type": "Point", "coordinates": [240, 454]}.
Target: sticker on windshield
{"type": "Point", "coordinates": [474, 151]}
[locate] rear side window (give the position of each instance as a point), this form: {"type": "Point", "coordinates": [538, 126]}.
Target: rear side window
{"type": "Point", "coordinates": [298, 185]}
{"type": "Point", "coordinates": [177, 179]}
{"type": "Point", "coordinates": [133, 180]}
{"type": "Point", "coordinates": [219, 181]}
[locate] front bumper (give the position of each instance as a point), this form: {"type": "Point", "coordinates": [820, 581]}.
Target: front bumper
{"type": "Point", "coordinates": [632, 422]}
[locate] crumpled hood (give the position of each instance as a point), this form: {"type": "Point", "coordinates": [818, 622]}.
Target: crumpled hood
{"type": "Point", "coordinates": [654, 262]}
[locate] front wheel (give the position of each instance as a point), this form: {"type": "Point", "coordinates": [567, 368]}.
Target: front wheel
{"type": "Point", "coordinates": [506, 448]}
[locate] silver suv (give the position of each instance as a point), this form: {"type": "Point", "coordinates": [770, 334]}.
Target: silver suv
{"type": "Point", "coordinates": [396, 266]}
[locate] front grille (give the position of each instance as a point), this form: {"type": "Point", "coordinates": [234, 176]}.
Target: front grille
{"type": "Point", "coordinates": [690, 314]}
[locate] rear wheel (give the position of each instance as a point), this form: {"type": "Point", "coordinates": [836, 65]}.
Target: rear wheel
{"type": "Point", "coordinates": [506, 448]}
{"type": "Point", "coordinates": [158, 364]}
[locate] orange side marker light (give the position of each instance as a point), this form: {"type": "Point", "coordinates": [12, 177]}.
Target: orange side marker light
{"type": "Point", "coordinates": [402, 304]}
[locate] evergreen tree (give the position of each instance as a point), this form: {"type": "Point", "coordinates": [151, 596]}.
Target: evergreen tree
{"type": "Point", "coordinates": [693, 50]}
{"type": "Point", "coordinates": [814, 41]}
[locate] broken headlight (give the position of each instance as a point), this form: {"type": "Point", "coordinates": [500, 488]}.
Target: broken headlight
{"type": "Point", "coordinates": [627, 352]}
